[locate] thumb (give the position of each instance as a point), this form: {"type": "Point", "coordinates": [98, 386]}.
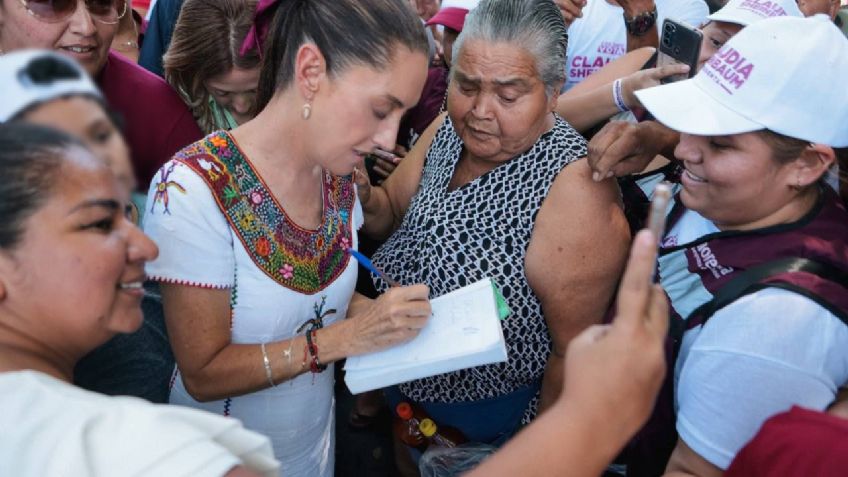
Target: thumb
{"type": "Point", "coordinates": [669, 70]}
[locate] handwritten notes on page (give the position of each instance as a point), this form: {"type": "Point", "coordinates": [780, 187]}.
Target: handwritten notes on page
{"type": "Point", "coordinates": [464, 331]}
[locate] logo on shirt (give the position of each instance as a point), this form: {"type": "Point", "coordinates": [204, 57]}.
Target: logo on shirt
{"type": "Point", "coordinates": [729, 69]}
{"type": "Point", "coordinates": [763, 8]}
{"type": "Point", "coordinates": [582, 66]}
{"type": "Point", "coordinates": [705, 259]}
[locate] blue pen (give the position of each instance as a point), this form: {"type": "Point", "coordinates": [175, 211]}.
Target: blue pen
{"type": "Point", "coordinates": [365, 262]}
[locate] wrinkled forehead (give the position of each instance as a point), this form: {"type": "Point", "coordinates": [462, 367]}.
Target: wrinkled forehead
{"type": "Point", "coordinates": [497, 63]}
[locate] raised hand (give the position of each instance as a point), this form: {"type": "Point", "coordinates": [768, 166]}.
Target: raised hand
{"type": "Point", "coordinates": [621, 148]}
{"type": "Point", "coordinates": [613, 372]}
{"type": "Point", "coordinates": [570, 9]}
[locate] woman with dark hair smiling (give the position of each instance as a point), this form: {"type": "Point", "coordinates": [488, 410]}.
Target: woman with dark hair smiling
{"type": "Point", "coordinates": [755, 260]}
{"type": "Point", "coordinates": [47, 88]}
{"type": "Point", "coordinates": [71, 273]}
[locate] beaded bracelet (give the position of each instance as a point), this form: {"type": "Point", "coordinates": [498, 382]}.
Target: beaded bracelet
{"type": "Point", "coordinates": [618, 97]}
{"type": "Point", "coordinates": [267, 363]}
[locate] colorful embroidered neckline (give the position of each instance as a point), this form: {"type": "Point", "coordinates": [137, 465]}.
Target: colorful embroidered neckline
{"type": "Point", "coordinates": [302, 260]}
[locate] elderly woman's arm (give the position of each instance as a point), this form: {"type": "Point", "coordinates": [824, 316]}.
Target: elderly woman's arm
{"type": "Point", "coordinates": [385, 205]}
{"type": "Point", "coordinates": [575, 258]}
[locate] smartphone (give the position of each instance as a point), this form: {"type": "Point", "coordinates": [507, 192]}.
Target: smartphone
{"type": "Point", "coordinates": [658, 212]}
{"type": "Point", "coordinates": [679, 44]}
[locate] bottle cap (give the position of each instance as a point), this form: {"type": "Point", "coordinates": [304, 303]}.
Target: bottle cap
{"type": "Point", "coordinates": [427, 427]}
{"type": "Point", "coordinates": [404, 411]}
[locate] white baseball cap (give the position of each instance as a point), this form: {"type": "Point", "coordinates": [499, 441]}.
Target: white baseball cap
{"type": "Point", "coordinates": [29, 77]}
{"type": "Point", "coordinates": [745, 12]}
{"type": "Point", "coordinates": [781, 74]}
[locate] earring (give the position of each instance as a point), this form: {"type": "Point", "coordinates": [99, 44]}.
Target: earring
{"type": "Point", "coordinates": [307, 111]}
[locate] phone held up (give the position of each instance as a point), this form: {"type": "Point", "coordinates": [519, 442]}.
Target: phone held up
{"type": "Point", "coordinates": [658, 212]}
{"type": "Point", "coordinates": [679, 44]}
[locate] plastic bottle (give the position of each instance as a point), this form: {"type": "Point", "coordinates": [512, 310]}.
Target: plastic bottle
{"type": "Point", "coordinates": [443, 436]}
{"type": "Point", "coordinates": [406, 428]}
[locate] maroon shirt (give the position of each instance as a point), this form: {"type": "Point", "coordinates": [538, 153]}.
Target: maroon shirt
{"type": "Point", "coordinates": [157, 122]}
{"type": "Point", "coordinates": [796, 443]}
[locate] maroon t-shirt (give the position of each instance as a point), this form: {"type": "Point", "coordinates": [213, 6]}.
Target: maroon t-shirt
{"type": "Point", "coordinates": [796, 443]}
{"type": "Point", "coordinates": [157, 122]}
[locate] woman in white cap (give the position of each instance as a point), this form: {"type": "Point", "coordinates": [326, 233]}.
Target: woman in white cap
{"type": "Point", "coordinates": [47, 88]}
{"type": "Point", "coordinates": [755, 260]}
{"type": "Point", "coordinates": [71, 269]}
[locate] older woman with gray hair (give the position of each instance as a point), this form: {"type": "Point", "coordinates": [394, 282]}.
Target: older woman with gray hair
{"type": "Point", "coordinates": [500, 188]}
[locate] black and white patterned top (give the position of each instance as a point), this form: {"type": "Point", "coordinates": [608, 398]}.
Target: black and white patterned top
{"type": "Point", "coordinates": [449, 239]}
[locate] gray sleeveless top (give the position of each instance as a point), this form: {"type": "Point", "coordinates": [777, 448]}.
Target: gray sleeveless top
{"type": "Point", "coordinates": [449, 239]}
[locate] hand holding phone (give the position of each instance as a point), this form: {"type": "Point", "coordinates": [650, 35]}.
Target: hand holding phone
{"type": "Point", "coordinates": [679, 44]}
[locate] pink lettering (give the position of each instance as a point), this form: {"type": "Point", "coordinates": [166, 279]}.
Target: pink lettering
{"type": "Point", "coordinates": [746, 70]}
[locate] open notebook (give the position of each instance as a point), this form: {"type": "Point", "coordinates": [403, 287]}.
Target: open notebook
{"type": "Point", "coordinates": [464, 331]}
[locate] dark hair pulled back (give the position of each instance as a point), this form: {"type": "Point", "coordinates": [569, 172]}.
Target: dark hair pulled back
{"type": "Point", "coordinates": [347, 32]}
{"type": "Point", "coordinates": [30, 160]}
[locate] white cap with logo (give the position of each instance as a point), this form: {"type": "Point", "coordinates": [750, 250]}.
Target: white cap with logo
{"type": "Point", "coordinates": [29, 77]}
{"type": "Point", "coordinates": [783, 74]}
{"type": "Point", "coordinates": [746, 12]}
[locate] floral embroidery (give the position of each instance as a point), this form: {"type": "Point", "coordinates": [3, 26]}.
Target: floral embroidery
{"type": "Point", "coordinates": [218, 141]}
{"type": "Point", "coordinates": [256, 197]}
{"type": "Point", "coordinates": [303, 260]}
{"type": "Point", "coordinates": [161, 194]}
{"type": "Point", "coordinates": [263, 247]}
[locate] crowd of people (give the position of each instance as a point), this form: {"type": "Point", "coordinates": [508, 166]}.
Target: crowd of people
{"type": "Point", "coordinates": [176, 304]}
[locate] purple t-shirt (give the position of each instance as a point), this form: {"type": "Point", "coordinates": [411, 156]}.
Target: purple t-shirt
{"type": "Point", "coordinates": [157, 122]}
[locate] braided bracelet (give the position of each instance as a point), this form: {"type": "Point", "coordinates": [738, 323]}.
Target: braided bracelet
{"type": "Point", "coordinates": [315, 366]}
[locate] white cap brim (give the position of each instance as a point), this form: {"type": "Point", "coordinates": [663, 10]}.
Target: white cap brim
{"type": "Point", "coordinates": [685, 107]}
{"type": "Point", "coordinates": [738, 19]}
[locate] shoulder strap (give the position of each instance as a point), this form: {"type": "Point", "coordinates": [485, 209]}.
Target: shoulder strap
{"type": "Point", "coordinates": [751, 280]}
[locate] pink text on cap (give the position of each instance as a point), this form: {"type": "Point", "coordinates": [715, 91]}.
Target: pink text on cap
{"type": "Point", "coordinates": [765, 8]}
{"type": "Point", "coordinates": [729, 69]}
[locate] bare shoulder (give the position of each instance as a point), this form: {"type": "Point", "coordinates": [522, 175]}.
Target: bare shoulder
{"type": "Point", "coordinates": [581, 222]}
{"type": "Point", "coordinates": [574, 188]}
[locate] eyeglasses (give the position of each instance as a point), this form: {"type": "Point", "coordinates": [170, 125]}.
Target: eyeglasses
{"type": "Point", "coordinates": [109, 12]}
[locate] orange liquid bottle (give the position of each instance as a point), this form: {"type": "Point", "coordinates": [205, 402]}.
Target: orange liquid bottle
{"type": "Point", "coordinates": [407, 427]}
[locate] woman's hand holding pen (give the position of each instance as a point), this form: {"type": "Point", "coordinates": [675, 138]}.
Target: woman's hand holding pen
{"type": "Point", "coordinates": [395, 317]}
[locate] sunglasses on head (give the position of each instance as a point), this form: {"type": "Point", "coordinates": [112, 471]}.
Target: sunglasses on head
{"type": "Point", "coordinates": [109, 12]}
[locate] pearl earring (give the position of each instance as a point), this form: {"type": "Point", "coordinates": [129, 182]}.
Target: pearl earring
{"type": "Point", "coordinates": [307, 111]}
